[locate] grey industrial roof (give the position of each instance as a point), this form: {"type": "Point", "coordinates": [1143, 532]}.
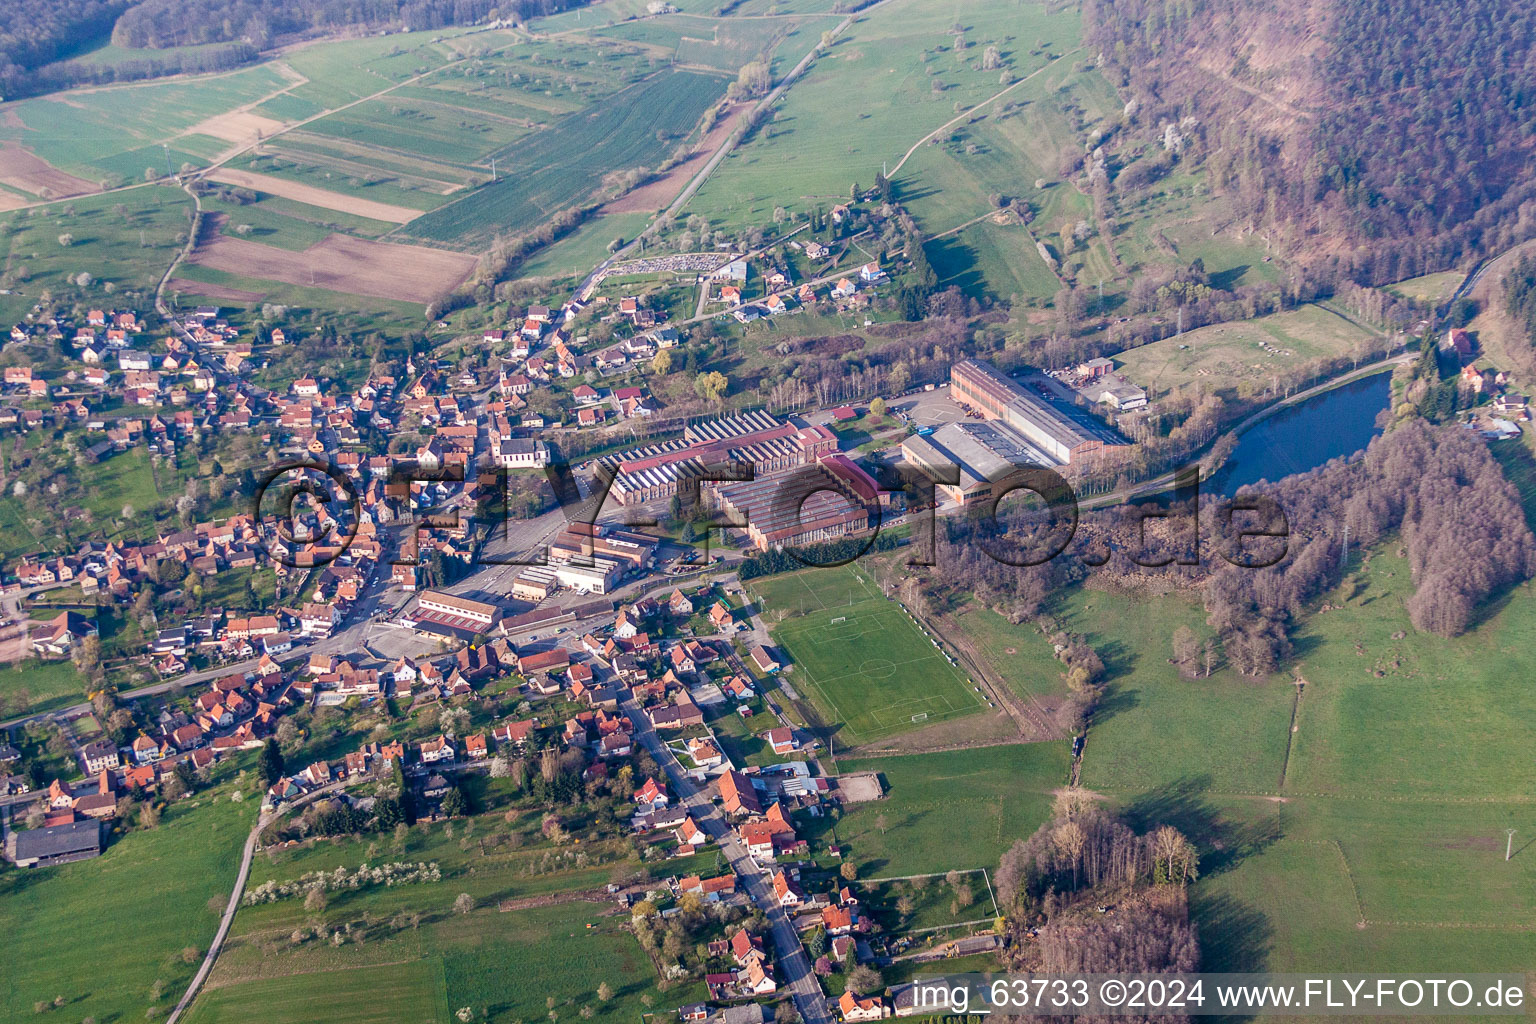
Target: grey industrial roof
{"type": "Point", "coordinates": [58, 840]}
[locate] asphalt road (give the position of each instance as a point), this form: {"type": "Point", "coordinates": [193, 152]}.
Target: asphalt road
{"type": "Point", "coordinates": [794, 964]}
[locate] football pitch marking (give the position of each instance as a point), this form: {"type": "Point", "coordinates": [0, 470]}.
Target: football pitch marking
{"type": "Point", "coordinates": [866, 625]}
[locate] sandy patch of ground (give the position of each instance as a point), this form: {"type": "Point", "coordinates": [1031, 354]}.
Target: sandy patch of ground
{"type": "Point", "coordinates": [23, 169]}
{"type": "Point", "coordinates": [238, 126]}
{"type": "Point", "coordinates": [859, 787]}
{"type": "Point", "coordinates": [212, 291]}
{"type": "Point", "coordinates": [340, 263]}
{"type": "Point", "coordinates": [657, 193]}
{"type": "Point", "coordinates": [314, 196]}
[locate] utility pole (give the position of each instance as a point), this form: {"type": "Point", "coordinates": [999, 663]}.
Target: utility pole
{"type": "Point", "coordinates": [1509, 844]}
{"type": "Point", "coordinates": [493, 169]}
{"type": "Point", "coordinates": [168, 172]}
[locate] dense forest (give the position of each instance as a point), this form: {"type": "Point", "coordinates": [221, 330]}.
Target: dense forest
{"type": "Point", "coordinates": [1520, 303]}
{"type": "Point", "coordinates": [37, 32]}
{"type": "Point", "coordinates": [1355, 120]}
{"type": "Point", "coordinates": [163, 23]}
{"type": "Point", "coordinates": [40, 38]}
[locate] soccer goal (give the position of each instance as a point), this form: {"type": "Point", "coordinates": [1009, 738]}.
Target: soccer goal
{"type": "Point", "coordinates": [920, 717]}
{"type": "Point", "coordinates": [840, 618]}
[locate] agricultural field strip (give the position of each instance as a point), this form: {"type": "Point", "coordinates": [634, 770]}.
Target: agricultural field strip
{"type": "Point", "coordinates": [226, 157]}
{"type": "Point", "coordinates": [311, 196]}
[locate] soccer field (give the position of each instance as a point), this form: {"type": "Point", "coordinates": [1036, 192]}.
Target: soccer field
{"type": "Point", "coordinates": [858, 656]}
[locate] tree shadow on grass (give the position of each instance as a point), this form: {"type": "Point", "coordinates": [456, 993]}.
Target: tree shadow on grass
{"type": "Point", "coordinates": [1118, 698]}
{"type": "Point", "coordinates": [1223, 843]}
{"type": "Point", "coordinates": [1234, 937]}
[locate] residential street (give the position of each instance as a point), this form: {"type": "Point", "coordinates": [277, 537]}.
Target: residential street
{"type": "Point", "coordinates": [794, 966]}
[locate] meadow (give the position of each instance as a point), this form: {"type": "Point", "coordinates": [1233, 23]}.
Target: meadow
{"type": "Point", "coordinates": [952, 809]}
{"type": "Point", "coordinates": [30, 686]}
{"type": "Point", "coordinates": [406, 951]}
{"type": "Point", "coordinates": [894, 76]}
{"type": "Point", "coordinates": [1231, 357]}
{"type": "Point", "coordinates": [864, 663]}
{"type": "Point", "coordinates": [125, 240]}
{"type": "Point", "coordinates": [1431, 288]}
{"type": "Point", "coordinates": [411, 991]}
{"type": "Point", "coordinates": [723, 43]}
{"type": "Point", "coordinates": [109, 136]}
{"type": "Point", "coordinates": [146, 899]}
{"type": "Point", "coordinates": [1020, 656]}
{"type": "Point", "coordinates": [1373, 836]}
{"type": "Point", "coordinates": [1223, 732]}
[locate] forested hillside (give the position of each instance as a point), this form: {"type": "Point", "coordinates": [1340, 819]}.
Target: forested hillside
{"type": "Point", "coordinates": [161, 23]}
{"type": "Point", "coordinates": [35, 32]}
{"type": "Point", "coordinates": [39, 38]}
{"type": "Point", "coordinates": [1353, 121]}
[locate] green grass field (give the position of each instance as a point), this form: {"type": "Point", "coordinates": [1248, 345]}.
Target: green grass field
{"type": "Point", "coordinates": [1020, 656]}
{"type": "Point", "coordinates": [110, 135]}
{"type": "Point", "coordinates": [933, 903]}
{"type": "Point", "coordinates": [1230, 356]}
{"type": "Point", "coordinates": [894, 76]}
{"type": "Point", "coordinates": [412, 991]}
{"type": "Point", "coordinates": [860, 658]}
{"type": "Point", "coordinates": [502, 964]}
{"type": "Point", "coordinates": [1154, 729]}
{"type": "Point", "coordinates": [1431, 288]}
{"type": "Point", "coordinates": [32, 686]}
{"type": "Point", "coordinates": [145, 899]}
{"type": "Point", "coordinates": [126, 240]}
{"type": "Point", "coordinates": [1370, 839]}
{"type": "Point", "coordinates": [955, 809]}
{"type": "Point", "coordinates": [1417, 717]}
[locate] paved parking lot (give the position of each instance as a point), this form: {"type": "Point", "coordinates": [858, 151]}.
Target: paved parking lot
{"type": "Point", "coordinates": [929, 408]}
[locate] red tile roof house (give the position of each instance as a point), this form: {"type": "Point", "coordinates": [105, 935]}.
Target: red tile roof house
{"type": "Point", "coordinates": [650, 796]}
{"type": "Point", "coordinates": [782, 739]}
{"type": "Point", "coordinates": [689, 834]}
{"type": "Point", "coordinates": [855, 1009]}
{"type": "Point", "coordinates": [615, 744]}
{"type": "Point", "coordinates": [515, 733]}
{"type": "Point", "coordinates": [746, 947]}
{"type": "Point", "coordinates": [787, 891]}
{"type": "Point", "coordinates": [433, 751]}
{"type": "Point", "coordinates": [737, 794]}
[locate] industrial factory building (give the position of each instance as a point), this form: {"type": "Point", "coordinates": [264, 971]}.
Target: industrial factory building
{"type": "Point", "coordinates": [1063, 435]}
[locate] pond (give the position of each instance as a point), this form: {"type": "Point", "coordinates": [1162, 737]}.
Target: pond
{"type": "Point", "coordinates": [1301, 437]}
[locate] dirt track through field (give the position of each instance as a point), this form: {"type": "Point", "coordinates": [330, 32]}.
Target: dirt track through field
{"type": "Point", "coordinates": [340, 263]}
{"type": "Point", "coordinates": [23, 169]}
{"type": "Point", "coordinates": [213, 291]}
{"type": "Point", "coordinates": [314, 196]}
